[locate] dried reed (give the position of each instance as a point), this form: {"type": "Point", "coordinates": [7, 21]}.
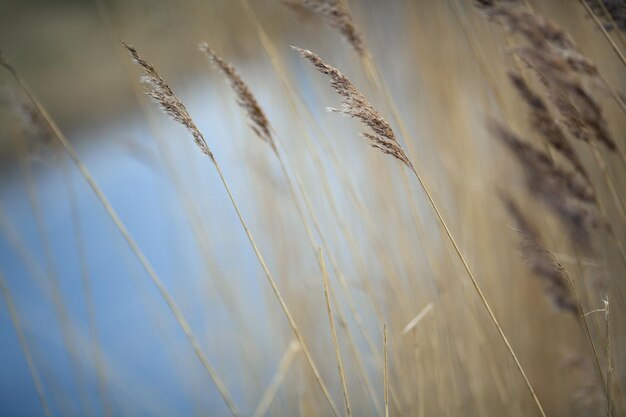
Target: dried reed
{"type": "Point", "coordinates": [277, 379]}
{"type": "Point", "coordinates": [559, 285]}
{"type": "Point", "coordinates": [333, 331]}
{"type": "Point", "coordinates": [295, 106]}
{"type": "Point", "coordinates": [162, 94]}
{"type": "Point", "coordinates": [336, 14]}
{"type": "Point", "coordinates": [171, 106]}
{"type": "Point", "coordinates": [542, 121]}
{"type": "Point", "coordinates": [58, 300]}
{"type": "Point", "coordinates": [258, 121]}
{"type": "Point", "coordinates": [542, 262]}
{"type": "Point", "coordinates": [17, 325]}
{"type": "Point", "coordinates": [355, 105]}
{"type": "Point", "coordinates": [609, 358]}
{"type": "Point", "coordinates": [571, 199]}
{"type": "Point", "coordinates": [415, 321]}
{"type": "Point", "coordinates": [386, 373]}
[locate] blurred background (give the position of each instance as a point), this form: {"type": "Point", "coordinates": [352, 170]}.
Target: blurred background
{"type": "Point", "coordinates": [84, 331]}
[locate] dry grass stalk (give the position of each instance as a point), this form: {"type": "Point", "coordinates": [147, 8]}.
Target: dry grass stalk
{"type": "Point", "coordinates": [277, 379]}
{"type": "Point", "coordinates": [386, 370]}
{"type": "Point", "coordinates": [171, 105]}
{"type": "Point", "coordinates": [571, 199]}
{"type": "Point", "coordinates": [542, 262]}
{"type": "Point", "coordinates": [559, 285]}
{"type": "Point", "coordinates": [602, 27]}
{"type": "Point", "coordinates": [156, 280]}
{"type": "Point", "coordinates": [582, 114]}
{"type": "Point", "coordinates": [17, 325]}
{"type": "Point", "coordinates": [609, 359]}
{"type": "Point", "coordinates": [333, 330]}
{"type": "Point", "coordinates": [545, 35]}
{"type": "Point", "coordinates": [246, 100]}
{"type": "Point", "coordinates": [354, 104]}
{"type": "Point", "coordinates": [336, 14]}
{"type": "Point", "coordinates": [40, 134]}
{"type": "Point", "coordinates": [541, 121]}
{"type": "Point", "coordinates": [414, 322]}
{"type": "Point", "coordinates": [291, 179]}
{"type": "Point", "coordinates": [352, 99]}
{"type": "Point", "coordinates": [554, 56]}
{"type": "Point", "coordinates": [163, 95]}
{"type": "Point", "coordinates": [612, 14]}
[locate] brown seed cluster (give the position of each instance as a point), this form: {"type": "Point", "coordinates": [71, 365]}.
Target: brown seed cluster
{"type": "Point", "coordinates": [542, 262]}
{"type": "Point", "coordinates": [579, 110]}
{"type": "Point", "coordinates": [246, 100]}
{"type": "Point", "coordinates": [569, 196]}
{"type": "Point", "coordinates": [354, 104]}
{"type": "Point", "coordinates": [336, 15]}
{"type": "Point", "coordinates": [561, 67]}
{"type": "Point", "coordinates": [163, 95]}
{"type": "Point", "coordinates": [542, 121]}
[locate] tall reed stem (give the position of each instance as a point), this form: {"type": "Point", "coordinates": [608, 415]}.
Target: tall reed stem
{"type": "Point", "coordinates": [386, 373]}
{"type": "Point", "coordinates": [283, 305]}
{"type": "Point", "coordinates": [8, 299]}
{"type": "Point", "coordinates": [178, 315]}
{"type": "Point", "coordinates": [331, 319]}
{"type": "Point", "coordinates": [373, 71]}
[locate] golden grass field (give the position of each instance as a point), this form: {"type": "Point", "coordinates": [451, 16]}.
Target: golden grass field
{"type": "Point", "coordinates": [313, 207]}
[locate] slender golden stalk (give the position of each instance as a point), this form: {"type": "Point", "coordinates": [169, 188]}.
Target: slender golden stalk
{"type": "Point", "coordinates": [343, 285]}
{"type": "Point", "coordinates": [608, 37]}
{"type": "Point", "coordinates": [609, 360]}
{"type": "Point", "coordinates": [611, 21]}
{"type": "Point", "coordinates": [333, 331]}
{"type": "Point", "coordinates": [296, 105]}
{"type": "Point", "coordinates": [156, 280]}
{"type": "Point", "coordinates": [191, 207]}
{"type": "Point", "coordinates": [277, 379]}
{"type": "Point", "coordinates": [411, 325]}
{"type": "Point", "coordinates": [383, 138]}
{"type": "Point", "coordinates": [277, 293]}
{"type": "Point", "coordinates": [356, 353]}
{"type": "Point", "coordinates": [58, 301]}
{"type": "Point", "coordinates": [260, 125]}
{"type": "Point", "coordinates": [85, 276]}
{"type": "Point", "coordinates": [15, 319]}
{"type": "Point", "coordinates": [162, 94]}
{"type": "Point", "coordinates": [386, 373]}
{"type": "Point", "coordinates": [583, 322]}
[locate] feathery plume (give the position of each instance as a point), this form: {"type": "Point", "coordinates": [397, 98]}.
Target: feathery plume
{"type": "Point", "coordinates": [582, 114]}
{"type": "Point", "coordinates": [163, 95]}
{"type": "Point", "coordinates": [573, 200]}
{"type": "Point", "coordinates": [354, 104]}
{"type": "Point", "coordinates": [559, 64]}
{"type": "Point", "coordinates": [336, 15]}
{"type": "Point", "coordinates": [246, 100]}
{"type": "Point", "coordinates": [542, 262]}
{"type": "Point", "coordinates": [543, 34]}
{"type": "Point", "coordinates": [542, 122]}
{"type": "Point", "coordinates": [297, 7]}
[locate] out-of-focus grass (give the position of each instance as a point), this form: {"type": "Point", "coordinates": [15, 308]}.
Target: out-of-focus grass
{"type": "Point", "coordinates": [445, 68]}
